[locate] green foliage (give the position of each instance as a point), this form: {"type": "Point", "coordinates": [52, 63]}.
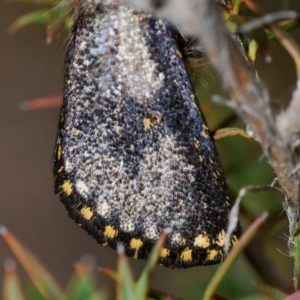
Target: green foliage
{"type": "Point", "coordinates": [56, 19]}
{"type": "Point", "coordinates": [84, 282]}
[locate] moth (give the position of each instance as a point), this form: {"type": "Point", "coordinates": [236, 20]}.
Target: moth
{"type": "Point", "coordinates": [134, 155]}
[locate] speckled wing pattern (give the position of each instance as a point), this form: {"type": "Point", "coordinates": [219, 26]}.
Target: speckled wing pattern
{"type": "Point", "coordinates": [134, 155]}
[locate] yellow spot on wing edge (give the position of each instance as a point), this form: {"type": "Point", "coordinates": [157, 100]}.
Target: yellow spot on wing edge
{"type": "Point", "coordinates": [234, 240]}
{"type": "Point", "coordinates": [110, 232]}
{"type": "Point", "coordinates": [186, 255]}
{"type": "Point", "coordinates": [67, 187]}
{"type": "Point", "coordinates": [212, 254]}
{"type": "Point", "coordinates": [164, 252]}
{"type": "Point", "coordinates": [202, 241]}
{"type": "Point", "coordinates": [86, 212]}
{"type": "Point", "coordinates": [60, 169]}
{"type": "Point", "coordinates": [136, 244]}
{"type": "Point", "coordinates": [58, 151]}
{"type": "Point", "coordinates": [204, 134]}
{"type": "Point", "coordinates": [204, 127]}
{"type": "Point", "coordinates": [220, 241]}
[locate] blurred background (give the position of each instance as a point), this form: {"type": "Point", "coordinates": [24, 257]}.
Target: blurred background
{"type": "Point", "coordinates": [30, 68]}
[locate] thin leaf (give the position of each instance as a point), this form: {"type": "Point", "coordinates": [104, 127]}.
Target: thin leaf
{"type": "Point", "coordinates": [125, 285]}
{"type": "Point", "coordinates": [109, 273]}
{"type": "Point", "coordinates": [58, 19]}
{"type": "Point", "coordinates": [232, 256]}
{"type": "Point", "coordinates": [11, 284]}
{"type": "Point", "coordinates": [270, 292]}
{"type": "Point", "coordinates": [225, 132]}
{"type": "Point", "coordinates": [33, 293]}
{"type": "Point", "coordinates": [32, 18]}
{"type": "Point", "coordinates": [34, 269]}
{"type": "Point", "coordinates": [252, 50]}
{"type": "Point", "coordinates": [83, 283]}
{"type": "Point", "coordinates": [39, 103]}
{"type": "Point", "coordinates": [289, 44]}
{"type": "Point", "coordinates": [284, 38]}
{"type": "Point", "coordinates": [142, 284]}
